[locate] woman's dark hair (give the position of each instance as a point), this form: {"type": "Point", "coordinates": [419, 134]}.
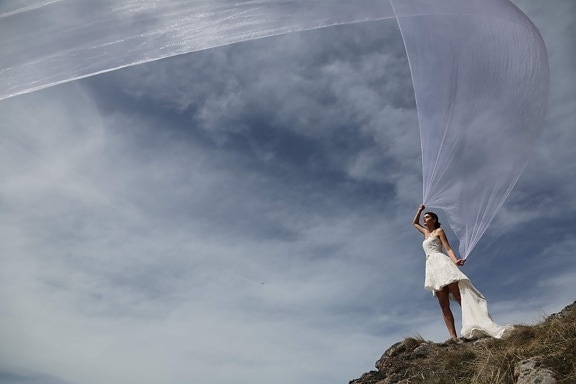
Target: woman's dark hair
{"type": "Point", "coordinates": [435, 217]}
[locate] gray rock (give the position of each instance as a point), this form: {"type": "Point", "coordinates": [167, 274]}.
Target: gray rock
{"type": "Point", "coordinates": [531, 371]}
{"type": "Point", "coordinates": [421, 351]}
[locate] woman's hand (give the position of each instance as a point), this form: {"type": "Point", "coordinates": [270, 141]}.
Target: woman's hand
{"type": "Point", "coordinates": [460, 262]}
{"type": "Point", "coordinates": [421, 208]}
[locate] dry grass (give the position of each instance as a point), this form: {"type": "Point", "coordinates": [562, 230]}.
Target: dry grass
{"type": "Point", "coordinates": [554, 340]}
{"type": "Point", "coordinates": [489, 361]}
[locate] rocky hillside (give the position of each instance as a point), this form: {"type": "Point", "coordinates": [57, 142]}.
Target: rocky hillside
{"type": "Point", "coordinates": [544, 353]}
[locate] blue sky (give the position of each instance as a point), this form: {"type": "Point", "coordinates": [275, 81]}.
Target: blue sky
{"type": "Point", "coordinates": [243, 214]}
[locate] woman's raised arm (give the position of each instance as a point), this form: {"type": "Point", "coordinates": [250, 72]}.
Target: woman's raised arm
{"type": "Point", "coordinates": [416, 221]}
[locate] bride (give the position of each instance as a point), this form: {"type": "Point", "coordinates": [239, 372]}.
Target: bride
{"type": "Point", "coordinates": [446, 281]}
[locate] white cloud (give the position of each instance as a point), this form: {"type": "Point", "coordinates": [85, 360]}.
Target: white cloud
{"type": "Point", "coordinates": [113, 253]}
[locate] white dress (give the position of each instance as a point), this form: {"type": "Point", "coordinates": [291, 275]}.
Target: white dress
{"type": "Point", "coordinates": [441, 271]}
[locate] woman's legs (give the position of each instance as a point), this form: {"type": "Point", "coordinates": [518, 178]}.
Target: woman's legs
{"type": "Point", "coordinates": [455, 291]}
{"type": "Point", "coordinates": [444, 301]}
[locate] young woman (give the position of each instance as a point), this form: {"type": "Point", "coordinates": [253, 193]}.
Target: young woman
{"type": "Point", "coordinates": [446, 281]}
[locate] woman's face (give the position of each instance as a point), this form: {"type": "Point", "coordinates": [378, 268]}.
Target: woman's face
{"type": "Point", "coordinates": [428, 220]}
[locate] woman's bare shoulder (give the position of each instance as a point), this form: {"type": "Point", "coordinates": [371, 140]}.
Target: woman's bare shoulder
{"type": "Point", "coordinates": [439, 232]}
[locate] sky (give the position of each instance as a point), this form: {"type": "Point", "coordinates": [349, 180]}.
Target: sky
{"type": "Point", "coordinates": [243, 214]}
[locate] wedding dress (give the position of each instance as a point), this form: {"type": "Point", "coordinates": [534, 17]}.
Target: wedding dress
{"type": "Point", "coordinates": [441, 271]}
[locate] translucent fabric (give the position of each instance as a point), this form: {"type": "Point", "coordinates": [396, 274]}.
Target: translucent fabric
{"type": "Point", "coordinates": [480, 75]}
{"type": "Point", "coordinates": [47, 42]}
{"type": "Point", "coordinates": [479, 70]}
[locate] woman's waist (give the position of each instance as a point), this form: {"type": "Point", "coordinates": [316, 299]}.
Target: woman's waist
{"type": "Point", "coordinates": [435, 253]}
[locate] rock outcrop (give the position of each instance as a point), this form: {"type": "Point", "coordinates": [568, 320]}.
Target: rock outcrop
{"type": "Point", "coordinates": [544, 353]}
